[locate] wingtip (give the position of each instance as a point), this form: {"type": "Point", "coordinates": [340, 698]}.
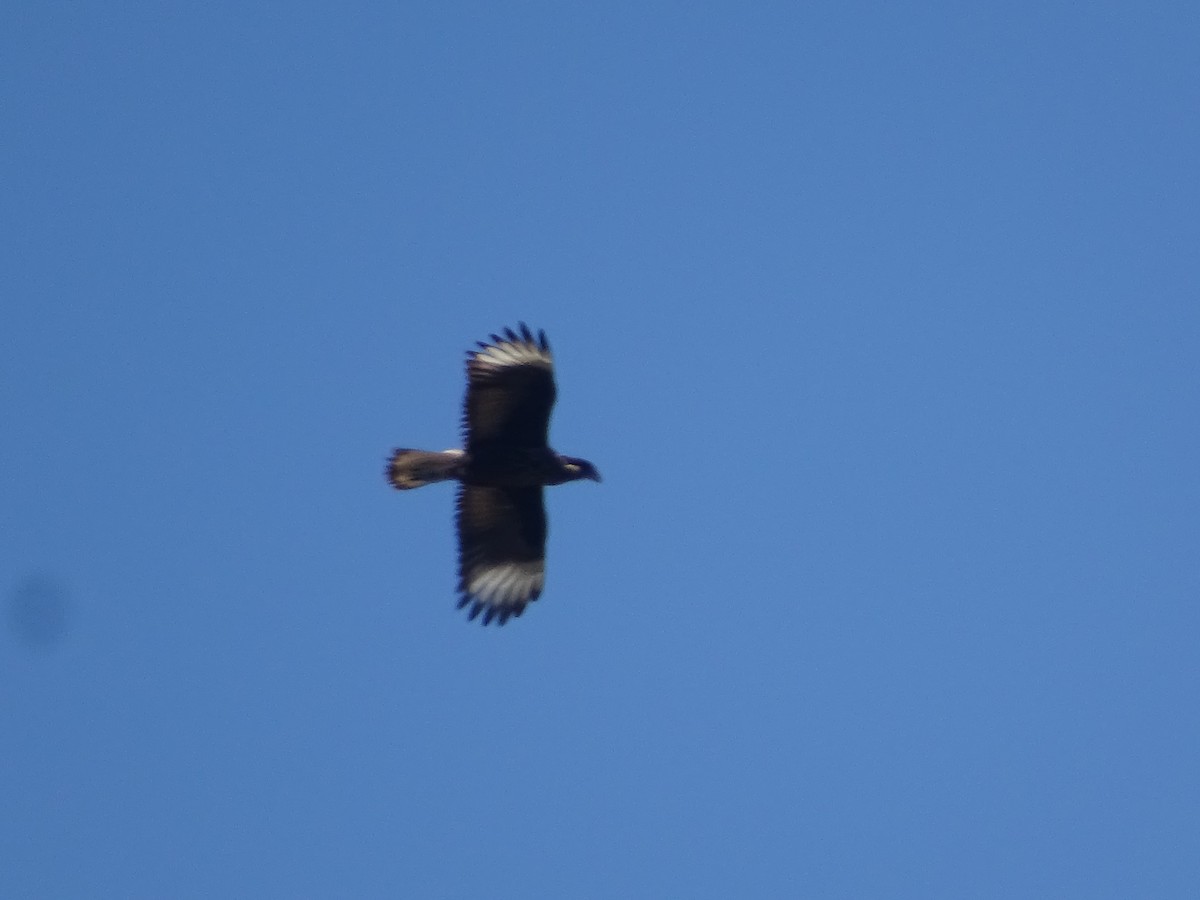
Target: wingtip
{"type": "Point", "coordinates": [488, 614]}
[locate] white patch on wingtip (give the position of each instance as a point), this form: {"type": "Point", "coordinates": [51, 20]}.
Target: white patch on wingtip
{"type": "Point", "coordinates": [507, 584]}
{"type": "Point", "coordinates": [508, 353]}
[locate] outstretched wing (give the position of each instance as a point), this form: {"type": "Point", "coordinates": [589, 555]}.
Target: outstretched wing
{"type": "Point", "coordinates": [510, 391]}
{"type": "Point", "coordinates": [501, 549]}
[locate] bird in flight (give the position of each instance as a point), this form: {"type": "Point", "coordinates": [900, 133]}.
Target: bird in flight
{"type": "Point", "coordinates": [504, 464]}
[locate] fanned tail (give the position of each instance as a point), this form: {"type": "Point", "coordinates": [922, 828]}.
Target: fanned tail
{"type": "Point", "coordinates": [407, 469]}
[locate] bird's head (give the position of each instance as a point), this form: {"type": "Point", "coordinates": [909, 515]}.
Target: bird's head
{"type": "Point", "coordinates": [579, 468]}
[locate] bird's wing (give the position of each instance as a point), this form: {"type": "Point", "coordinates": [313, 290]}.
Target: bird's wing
{"type": "Point", "coordinates": [501, 549]}
{"type": "Point", "coordinates": [510, 390]}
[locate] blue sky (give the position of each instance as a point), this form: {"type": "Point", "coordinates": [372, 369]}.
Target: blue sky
{"type": "Point", "coordinates": [881, 322]}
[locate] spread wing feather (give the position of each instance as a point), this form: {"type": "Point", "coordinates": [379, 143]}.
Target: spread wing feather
{"type": "Point", "coordinates": [502, 549]}
{"type": "Point", "coordinates": [510, 390]}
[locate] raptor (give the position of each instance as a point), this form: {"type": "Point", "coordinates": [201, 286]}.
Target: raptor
{"type": "Point", "coordinates": [502, 468]}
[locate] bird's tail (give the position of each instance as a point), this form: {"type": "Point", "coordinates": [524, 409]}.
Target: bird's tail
{"type": "Point", "coordinates": [416, 468]}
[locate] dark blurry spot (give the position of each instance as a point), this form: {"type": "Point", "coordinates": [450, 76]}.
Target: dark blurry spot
{"type": "Point", "coordinates": [39, 612]}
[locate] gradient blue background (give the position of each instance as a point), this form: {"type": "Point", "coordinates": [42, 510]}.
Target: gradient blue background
{"type": "Point", "coordinates": [882, 322]}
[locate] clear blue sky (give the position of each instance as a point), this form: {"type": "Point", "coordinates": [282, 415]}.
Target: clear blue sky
{"type": "Point", "coordinates": [881, 321]}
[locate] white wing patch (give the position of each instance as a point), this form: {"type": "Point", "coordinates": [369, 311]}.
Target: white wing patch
{"type": "Point", "coordinates": [503, 589]}
{"type": "Point", "coordinates": [507, 584]}
{"type": "Point", "coordinates": [513, 349]}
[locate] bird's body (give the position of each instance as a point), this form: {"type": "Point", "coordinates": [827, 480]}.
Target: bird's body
{"type": "Point", "coordinates": [502, 469]}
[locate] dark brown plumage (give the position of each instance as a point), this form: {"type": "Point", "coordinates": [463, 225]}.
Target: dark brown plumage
{"type": "Point", "coordinates": [505, 463]}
